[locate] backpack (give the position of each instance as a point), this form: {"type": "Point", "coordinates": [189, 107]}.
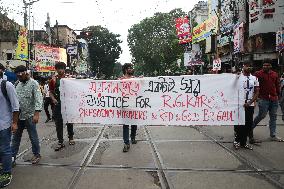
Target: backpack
{"type": "Point", "coordinates": [4, 90]}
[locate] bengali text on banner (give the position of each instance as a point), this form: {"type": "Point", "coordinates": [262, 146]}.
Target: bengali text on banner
{"type": "Point", "coordinates": [165, 100]}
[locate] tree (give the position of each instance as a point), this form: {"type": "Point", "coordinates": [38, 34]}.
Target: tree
{"type": "Point", "coordinates": [154, 44]}
{"type": "Point", "coordinates": [104, 50]}
{"type": "Point", "coordinates": [117, 70]}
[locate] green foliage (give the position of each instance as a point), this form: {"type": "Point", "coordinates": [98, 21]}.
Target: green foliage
{"type": "Point", "coordinates": [104, 50]}
{"type": "Point", "coordinates": [117, 71]}
{"type": "Point", "coordinates": [154, 45]}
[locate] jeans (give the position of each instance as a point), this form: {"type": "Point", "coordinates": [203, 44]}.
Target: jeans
{"type": "Point", "coordinates": [242, 131]}
{"type": "Point", "coordinates": [264, 107]}
{"type": "Point", "coordinates": [59, 124]}
{"type": "Point", "coordinates": [5, 150]}
{"type": "Point", "coordinates": [126, 133]}
{"type": "Point", "coordinates": [31, 128]}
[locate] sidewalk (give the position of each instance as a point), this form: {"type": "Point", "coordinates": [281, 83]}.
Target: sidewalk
{"type": "Point", "coordinates": [164, 157]}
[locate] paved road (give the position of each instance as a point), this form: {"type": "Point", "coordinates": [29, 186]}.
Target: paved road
{"type": "Point", "coordinates": [164, 157]}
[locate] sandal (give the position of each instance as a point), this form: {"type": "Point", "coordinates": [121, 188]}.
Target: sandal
{"type": "Point", "coordinates": [276, 138]}
{"type": "Point", "coordinates": [71, 142]}
{"type": "Point", "coordinates": [35, 159]}
{"type": "Point", "coordinates": [59, 146]}
{"type": "Point", "coordinates": [247, 146]}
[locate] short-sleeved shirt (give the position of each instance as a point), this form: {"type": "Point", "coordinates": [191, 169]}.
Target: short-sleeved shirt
{"type": "Point", "coordinates": [248, 83]}
{"type": "Point", "coordinates": [46, 91]}
{"type": "Point", "coordinates": [30, 98]}
{"type": "Point", "coordinates": [269, 86]}
{"type": "Point", "coordinates": [6, 107]}
{"type": "Point", "coordinates": [54, 85]}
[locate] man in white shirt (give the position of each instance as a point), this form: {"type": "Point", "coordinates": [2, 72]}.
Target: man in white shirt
{"type": "Point", "coordinates": [47, 102]}
{"type": "Point", "coordinates": [250, 85]}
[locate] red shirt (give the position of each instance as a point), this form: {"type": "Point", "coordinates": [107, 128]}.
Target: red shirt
{"type": "Point", "coordinates": [52, 82]}
{"type": "Point", "coordinates": [269, 85]}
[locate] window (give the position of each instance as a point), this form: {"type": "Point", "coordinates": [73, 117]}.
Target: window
{"type": "Point", "coordinates": [9, 56]}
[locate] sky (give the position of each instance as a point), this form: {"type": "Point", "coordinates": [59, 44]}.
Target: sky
{"type": "Point", "coordinates": [116, 15]}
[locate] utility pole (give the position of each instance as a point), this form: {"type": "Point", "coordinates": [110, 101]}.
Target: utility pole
{"type": "Point", "coordinates": [218, 27]}
{"type": "Point", "coordinates": [25, 14]}
{"type": "Point", "coordinates": [218, 14]}
{"type": "Point", "coordinates": [191, 43]}
{"type": "Point", "coordinates": [57, 35]}
{"type": "Point", "coordinates": [28, 5]}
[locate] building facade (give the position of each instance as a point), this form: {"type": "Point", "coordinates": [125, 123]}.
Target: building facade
{"type": "Point", "coordinates": [247, 32]}
{"type": "Point", "coordinates": [8, 37]}
{"type": "Point", "coordinates": [200, 12]}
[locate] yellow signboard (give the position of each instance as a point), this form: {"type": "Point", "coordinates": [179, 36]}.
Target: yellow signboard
{"type": "Point", "coordinates": [22, 47]}
{"type": "Point", "coordinates": [205, 29]}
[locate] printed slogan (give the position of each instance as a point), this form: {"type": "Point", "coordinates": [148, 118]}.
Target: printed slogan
{"type": "Point", "coordinates": [176, 100]}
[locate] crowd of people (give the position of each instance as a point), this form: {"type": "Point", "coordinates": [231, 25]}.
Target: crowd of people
{"type": "Point", "coordinates": [22, 103]}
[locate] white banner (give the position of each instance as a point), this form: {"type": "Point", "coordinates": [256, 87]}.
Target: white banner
{"type": "Point", "coordinates": [177, 100]}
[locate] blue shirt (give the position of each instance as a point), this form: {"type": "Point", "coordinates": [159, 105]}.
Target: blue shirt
{"type": "Point", "coordinates": [6, 109]}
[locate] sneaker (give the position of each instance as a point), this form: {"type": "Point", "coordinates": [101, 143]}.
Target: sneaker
{"type": "Point", "coordinates": [133, 141]}
{"type": "Point", "coordinates": [59, 147]}
{"type": "Point", "coordinates": [253, 141]}
{"type": "Point", "coordinates": [276, 138]}
{"type": "Point", "coordinates": [5, 179]}
{"type": "Point", "coordinates": [126, 147]}
{"type": "Point", "coordinates": [35, 159]}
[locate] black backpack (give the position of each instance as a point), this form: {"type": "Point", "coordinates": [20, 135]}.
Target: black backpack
{"type": "Point", "coordinates": [4, 90]}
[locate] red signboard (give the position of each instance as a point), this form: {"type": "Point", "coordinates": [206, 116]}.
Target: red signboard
{"type": "Point", "coordinates": [183, 30]}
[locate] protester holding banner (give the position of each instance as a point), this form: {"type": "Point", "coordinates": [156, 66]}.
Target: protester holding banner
{"type": "Point", "coordinates": [30, 99]}
{"type": "Point", "coordinates": [250, 85]}
{"type": "Point", "coordinates": [128, 71]}
{"type": "Point", "coordinates": [268, 99]}
{"type": "Point", "coordinates": [54, 85]}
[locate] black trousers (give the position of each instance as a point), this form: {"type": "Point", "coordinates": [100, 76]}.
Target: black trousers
{"type": "Point", "coordinates": [47, 102]}
{"type": "Point", "coordinates": [59, 124]}
{"type": "Point", "coordinates": [242, 131]}
{"type": "Point", "coordinates": [126, 133]}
